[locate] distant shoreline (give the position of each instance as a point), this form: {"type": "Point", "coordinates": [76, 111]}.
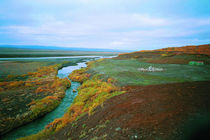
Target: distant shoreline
{"type": "Point", "coordinates": [25, 53]}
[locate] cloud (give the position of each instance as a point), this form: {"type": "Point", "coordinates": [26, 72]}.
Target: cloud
{"type": "Point", "coordinates": [117, 43]}
{"type": "Point", "coordinates": [118, 31]}
{"type": "Point", "coordinates": [93, 23]}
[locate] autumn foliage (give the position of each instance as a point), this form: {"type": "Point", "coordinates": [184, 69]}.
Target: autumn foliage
{"type": "Point", "coordinates": [92, 93]}
{"type": "Point", "coordinates": [43, 89]}
{"type": "Point", "coordinates": [79, 75]}
{"type": "Point", "coordinates": [57, 89]}
{"type": "Point", "coordinates": [202, 49]}
{"type": "Point", "coordinates": [12, 84]}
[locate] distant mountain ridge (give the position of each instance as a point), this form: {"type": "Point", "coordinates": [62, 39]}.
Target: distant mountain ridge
{"type": "Point", "coordinates": [39, 47]}
{"type": "Point", "coordinates": [192, 49]}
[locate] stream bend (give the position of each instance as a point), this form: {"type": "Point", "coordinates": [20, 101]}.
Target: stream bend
{"type": "Point", "coordinates": [39, 124]}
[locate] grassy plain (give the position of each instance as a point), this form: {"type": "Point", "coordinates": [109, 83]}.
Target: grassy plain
{"type": "Point", "coordinates": [126, 72]}
{"type": "Point", "coordinates": [29, 87]}
{"type": "Point", "coordinates": [12, 52]}
{"type": "Point", "coordinates": [29, 96]}
{"type": "Point", "coordinates": [20, 67]}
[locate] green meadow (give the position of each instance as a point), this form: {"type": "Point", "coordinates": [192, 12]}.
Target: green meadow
{"type": "Point", "coordinates": [20, 67]}
{"type": "Point", "coordinates": [126, 72]}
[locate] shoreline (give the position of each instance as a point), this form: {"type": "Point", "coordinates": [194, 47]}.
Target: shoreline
{"type": "Point", "coordinates": [78, 107]}
{"type": "Point", "coordinates": [59, 74]}
{"type": "Point", "coordinates": [35, 112]}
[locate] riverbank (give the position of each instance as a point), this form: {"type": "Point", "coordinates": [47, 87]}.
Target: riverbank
{"type": "Point", "coordinates": [176, 111]}
{"type": "Point", "coordinates": [64, 69]}
{"type": "Point", "coordinates": [14, 67]}
{"type": "Point", "coordinates": [92, 93]}
{"type": "Point", "coordinates": [172, 104]}
{"type": "Point", "coordinates": [25, 100]}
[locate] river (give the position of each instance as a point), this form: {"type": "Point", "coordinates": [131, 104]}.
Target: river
{"type": "Point", "coordinates": [39, 124]}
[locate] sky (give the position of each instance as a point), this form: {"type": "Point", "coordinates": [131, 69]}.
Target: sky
{"type": "Point", "coordinates": [111, 24]}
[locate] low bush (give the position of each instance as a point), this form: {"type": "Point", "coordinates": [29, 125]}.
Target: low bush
{"type": "Point", "coordinates": [15, 84]}
{"type": "Point", "coordinates": [44, 92]}
{"type": "Point", "coordinates": [92, 93]}
{"type": "Point", "coordinates": [79, 75]}
{"type": "Point", "coordinates": [57, 88]}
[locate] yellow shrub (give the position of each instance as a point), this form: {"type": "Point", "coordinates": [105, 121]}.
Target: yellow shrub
{"type": "Point", "coordinates": [79, 75]}
{"type": "Point", "coordinates": [1, 89]}
{"type": "Point", "coordinates": [28, 84]}
{"type": "Point", "coordinates": [10, 76]}
{"type": "Point", "coordinates": [3, 84]}
{"type": "Point", "coordinates": [92, 93]}
{"type": "Point", "coordinates": [164, 55]}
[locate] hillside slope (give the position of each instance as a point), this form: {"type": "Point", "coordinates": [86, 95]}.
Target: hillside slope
{"type": "Point", "coordinates": [165, 112]}
{"type": "Point", "coordinates": [172, 55]}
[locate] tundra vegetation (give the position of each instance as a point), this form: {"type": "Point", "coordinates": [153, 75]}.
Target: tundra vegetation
{"type": "Point", "coordinates": [30, 96]}
{"type": "Point", "coordinates": [12, 70]}
{"type": "Point", "coordinates": [92, 93]}
{"type": "Point", "coordinates": [6, 52]}
{"type": "Point", "coordinates": [156, 105]}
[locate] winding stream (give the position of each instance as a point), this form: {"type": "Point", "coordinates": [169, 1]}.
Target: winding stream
{"type": "Point", "coordinates": [39, 124]}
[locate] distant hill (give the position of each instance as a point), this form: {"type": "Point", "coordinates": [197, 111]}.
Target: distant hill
{"type": "Point", "coordinates": [171, 55]}
{"type": "Point", "coordinates": [193, 49]}
{"type": "Point", "coordinates": [200, 49]}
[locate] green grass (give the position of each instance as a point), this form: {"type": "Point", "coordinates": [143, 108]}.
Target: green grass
{"type": "Point", "coordinates": [126, 72]}
{"type": "Point", "coordinates": [25, 66]}
{"type": "Point", "coordinates": [92, 93]}
{"type": "Point", "coordinates": [13, 52]}
{"type": "Point", "coordinates": [19, 68]}
{"type": "Point", "coordinates": [38, 94]}
{"type": "Point", "coordinates": [160, 57]}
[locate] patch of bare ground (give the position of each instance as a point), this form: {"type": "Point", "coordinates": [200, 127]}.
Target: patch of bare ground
{"type": "Point", "coordinates": [168, 112]}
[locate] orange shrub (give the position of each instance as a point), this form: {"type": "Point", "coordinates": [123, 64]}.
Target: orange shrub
{"type": "Point", "coordinates": [10, 76]}
{"type": "Point", "coordinates": [5, 99]}
{"type": "Point", "coordinates": [54, 123]}
{"type": "Point", "coordinates": [38, 82]}
{"type": "Point", "coordinates": [32, 103]}
{"type": "Point", "coordinates": [39, 75]}
{"type": "Point", "coordinates": [56, 83]}
{"type": "Point", "coordinates": [40, 89]}
{"type": "Point", "coordinates": [1, 89]}
{"type": "Point", "coordinates": [3, 84]}
{"type": "Point", "coordinates": [79, 75]}
{"type": "Point", "coordinates": [52, 97]}
{"type": "Point", "coordinates": [15, 84]}
{"type": "Point", "coordinates": [28, 84]}
{"type": "Point", "coordinates": [24, 75]}
{"type": "Point", "coordinates": [111, 80]}
{"type": "Point", "coordinates": [31, 73]}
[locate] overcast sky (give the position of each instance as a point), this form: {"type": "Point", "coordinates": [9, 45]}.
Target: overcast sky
{"type": "Point", "coordinates": [113, 24]}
